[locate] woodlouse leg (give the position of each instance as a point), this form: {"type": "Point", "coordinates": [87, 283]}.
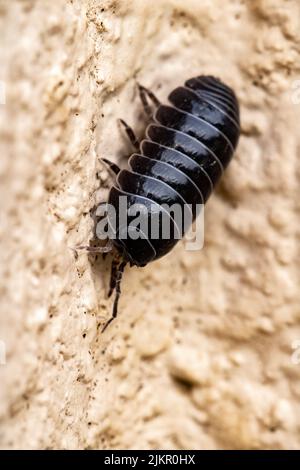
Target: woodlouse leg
{"type": "Point", "coordinates": [144, 93]}
{"type": "Point", "coordinates": [119, 274]}
{"type": "Point", "coordinates": [131, 135]}
{"type": "Point", "coordinates": [143, 97]}
{"type": "Point", "coordinates": [113, 278]}
{"type": "Point", "coordinates": [112, 166]}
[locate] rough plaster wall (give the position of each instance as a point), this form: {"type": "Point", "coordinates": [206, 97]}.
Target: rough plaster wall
{"type": "Point", "coordinates": [201, 354]}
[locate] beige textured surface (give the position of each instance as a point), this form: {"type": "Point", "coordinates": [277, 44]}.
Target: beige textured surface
{"type": "Point", "coordinates": [201, 355]}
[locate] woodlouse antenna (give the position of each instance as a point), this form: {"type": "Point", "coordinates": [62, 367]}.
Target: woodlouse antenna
{"type": "Point", "coordinates": [95, 249]}
{"type": "Point", "coordinates": [115, 283]}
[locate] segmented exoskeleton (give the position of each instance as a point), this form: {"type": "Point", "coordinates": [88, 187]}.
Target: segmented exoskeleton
{"type": "Point", "coordinates": [188, 145]}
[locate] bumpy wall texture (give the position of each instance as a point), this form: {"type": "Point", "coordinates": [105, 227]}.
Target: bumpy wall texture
{"type": "Point", "coordinates": [204, 352]}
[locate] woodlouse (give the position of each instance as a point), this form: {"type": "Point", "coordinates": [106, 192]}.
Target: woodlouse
{"type": "Point", "coordinates": [187, 148]}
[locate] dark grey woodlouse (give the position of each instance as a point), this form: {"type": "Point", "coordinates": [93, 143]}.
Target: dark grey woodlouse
{"type": "Point", "coordinates": [187, 147]}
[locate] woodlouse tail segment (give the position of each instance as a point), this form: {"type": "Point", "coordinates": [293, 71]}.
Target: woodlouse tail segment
{"type": "Point", "coordinates": [144, 93]}
{"type": "Point", "coordinates": [117, 270]}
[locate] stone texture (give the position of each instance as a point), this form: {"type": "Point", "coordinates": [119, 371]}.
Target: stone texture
{"type": "Point", "coordinates": [205, 352]}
